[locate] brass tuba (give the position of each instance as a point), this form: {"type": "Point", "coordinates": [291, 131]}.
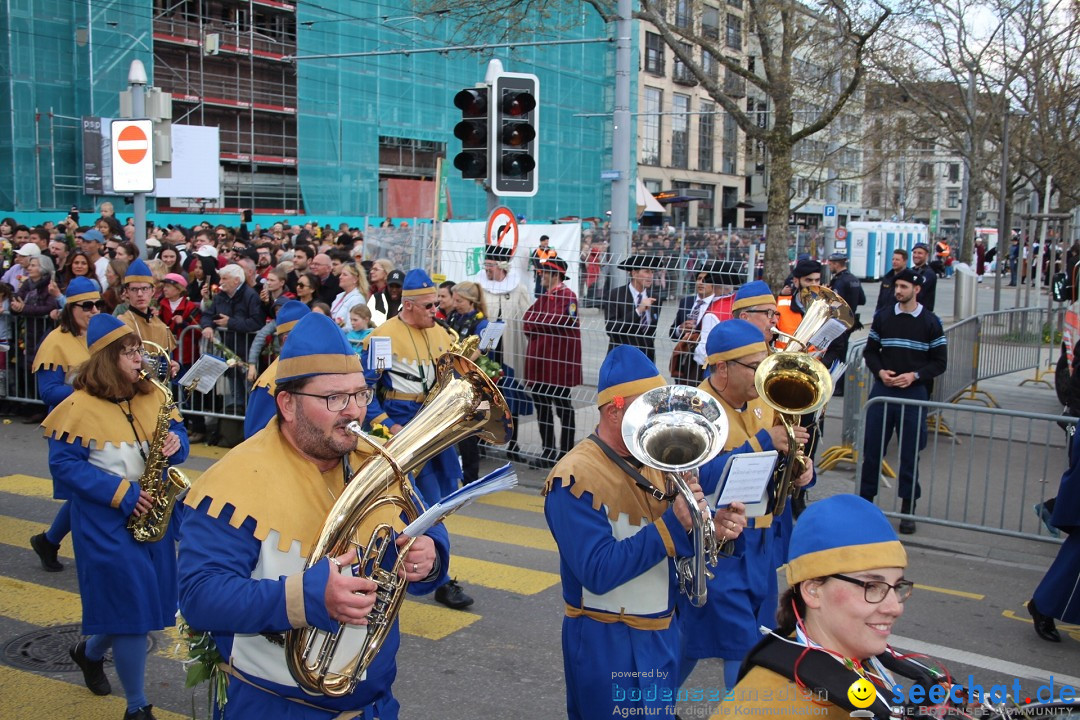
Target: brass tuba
{"type": "Point", "coordinates": [678, 428]}
{"type": "Point", "coordinates": [368, 516]}
{"type": "Point", "coordinates": [793, 382]}
{"type": "Point", "coordinates": [164, 484]}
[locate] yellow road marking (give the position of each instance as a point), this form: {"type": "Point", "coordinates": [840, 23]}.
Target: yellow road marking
{"type": "Point", "coordinates": [27, 485]}
{"type": "Point", "coordinates": [1073, 630]}
{"type": "Point", "coordinates": [514, 500]}
{"type": "Point", "coordinates": [501, 577]}
{"type": "Point", "coordinates": [28, 696]}
{"type": "Point", "coordinates": [433, 622]}
{"type": "Point", "coordinates": [38, 604]}
{"type": "Point", "coordinates": [947, 591]}
{"type": "Point", "coordinates": [17, 532]}
{"type": "Point", "coordinates": [495, 531]}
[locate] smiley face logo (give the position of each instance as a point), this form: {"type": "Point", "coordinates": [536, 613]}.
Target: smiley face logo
{"type": "Point", "coordinates": [861, 694]}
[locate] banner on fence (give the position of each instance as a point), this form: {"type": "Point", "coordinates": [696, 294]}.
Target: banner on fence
{"type": "Point", "coordinates": [459, 238]}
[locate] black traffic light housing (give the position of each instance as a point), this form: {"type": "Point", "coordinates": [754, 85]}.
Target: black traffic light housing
{"type": "Point", "coordinates": [472, 131]}
{"type": "Point", "coordinates": [515, 113]}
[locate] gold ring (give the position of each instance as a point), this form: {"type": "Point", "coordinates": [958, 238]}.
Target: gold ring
{"type": "Point", "coordinates": [335, 561]}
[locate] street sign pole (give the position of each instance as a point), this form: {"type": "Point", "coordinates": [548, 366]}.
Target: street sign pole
{"type": "Point", "coordinates": [137, 85]}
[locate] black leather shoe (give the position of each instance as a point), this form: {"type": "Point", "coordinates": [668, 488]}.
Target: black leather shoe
{"type": "Point", "coordinates": [452, 596]}
{"type": "Point", "coordinates": [143, 713]}
{"type": "Point", "coordinates": [46, 552]}
{"type": "Point", "coordinates": [1044, 625]}
{"type": "Point", "coordinates": [93, 670]}
{"type": "Point", "coordinates": [907, 526]}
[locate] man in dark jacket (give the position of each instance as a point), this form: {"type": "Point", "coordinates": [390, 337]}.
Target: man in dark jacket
{"type": "Point", "coordinates": [928, 289]}
{"type": "Point", "coordinates": [885, 296]}
{"type": "Point", "coordinates": [633, 310]}
{"type": "Point", "coordinates": [236, 312]}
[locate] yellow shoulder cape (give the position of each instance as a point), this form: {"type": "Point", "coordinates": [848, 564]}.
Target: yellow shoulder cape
{"type": "Point", "coordinates": [408, 344]}
{"type": "Point", "coordinates": [268, 379]}
{"type": "Point", "coordinates": [61, 351]}
{"type": "Point", "coordinates": [93, 421]}
{"type": "Point", "coordinates": [264, 479]}
{"type": "Point", "coordinates": [587, 469]}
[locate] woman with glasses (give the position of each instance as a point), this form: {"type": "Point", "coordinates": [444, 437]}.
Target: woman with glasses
{"type": "Point", "coordinates": [99, 437]}
{"type": "Point", "coordinates": [307, 288]}
{"type": "Point", "coordinates": [63, 350]}
{"type": "Point", "coordinates": [846, 592]}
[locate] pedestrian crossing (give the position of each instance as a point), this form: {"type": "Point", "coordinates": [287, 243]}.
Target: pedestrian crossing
{"type": "Point", "coordinates": [36, 599]}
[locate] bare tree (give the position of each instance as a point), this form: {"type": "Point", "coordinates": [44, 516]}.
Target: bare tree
{"type": "Point", "coordinates": [800, 50]}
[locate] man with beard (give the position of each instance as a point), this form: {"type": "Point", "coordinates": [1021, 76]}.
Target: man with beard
{"type": "Point", "coordinates": [905, 351]}
{"type": "Point", "coordinates": [251, 523]}
{"type": "Point", "coordinates": [928, 287]}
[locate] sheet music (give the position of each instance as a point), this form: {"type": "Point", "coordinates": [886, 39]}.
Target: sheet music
{"type": "Point", "coordinates": [380, 353]}
{"type": "Point", "coordinates": [503, 478]}
{"type": "Point", "coordinates": [831, 330]}
{"type": "Point", "coordinates": [489, 339]}
{"type": "Point", "coordinates": [746, 479]}
{"type": "Point", "coordinates": [204, 373]}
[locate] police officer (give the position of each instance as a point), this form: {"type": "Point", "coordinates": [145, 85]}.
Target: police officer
{"type": "Point", "coordinates": [885, 295]}
{"type": "Point", "coordinates": [928, 288]}
{"type": "Point", "coordinates": [848, 287]}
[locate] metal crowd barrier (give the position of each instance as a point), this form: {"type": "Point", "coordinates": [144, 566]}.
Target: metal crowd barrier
{"type": "Point", "coordinates": [988, 475]}
{"type": "Point", "coordinates": [26, 334]}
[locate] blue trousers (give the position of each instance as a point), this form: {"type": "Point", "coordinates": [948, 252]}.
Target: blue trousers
{"type": "Point", "coordinates": [1058, 595]}
{"type": "Point", "coordinates": [882, 420]}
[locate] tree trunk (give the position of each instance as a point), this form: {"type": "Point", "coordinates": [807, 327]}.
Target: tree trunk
{"type": "Point", "coordinates": [776, 237]}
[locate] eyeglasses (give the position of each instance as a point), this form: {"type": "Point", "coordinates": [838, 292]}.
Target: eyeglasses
{"type": "Point", "coordinates": [132, 352]}
{"type": "Point", "coordinates": [751, 368]}
{"type": "Point", "coordinates": [770, 314]}
{"type": "Point", "coordinates": [303, 285]}
{"type": "Point", "coordinates": [874, 591]}
{"type": "Point", "coordinates": [426, 306]}
{"type": "Point", "coordinates": [337, 402]}
{"type": "Point", "coordinates": [111, 252]}
{"type": "Point", "coordinates": [222, 236]}
{"type": "Point", "coordinates": [90, 305]}
{"type": "Point", "coordinates": [140, 289]}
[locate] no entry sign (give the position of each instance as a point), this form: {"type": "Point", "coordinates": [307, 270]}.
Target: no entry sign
{"type": "Point", "coordinates": [132, 156]}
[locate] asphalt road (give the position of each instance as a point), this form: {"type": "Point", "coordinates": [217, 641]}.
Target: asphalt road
{"type": "Point", "coordinates": [502, 657]}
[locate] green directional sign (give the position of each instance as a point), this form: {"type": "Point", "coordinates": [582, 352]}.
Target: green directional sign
{"type": "Point", "coordinates": [474, 260]}
{"type": "Point", "coordinates": [934, 220]}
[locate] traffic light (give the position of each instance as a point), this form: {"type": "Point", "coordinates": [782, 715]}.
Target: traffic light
{"type": "Point", "coordinates": [514, 147]}
{"type": "Point", "coordinates": [472, 131]}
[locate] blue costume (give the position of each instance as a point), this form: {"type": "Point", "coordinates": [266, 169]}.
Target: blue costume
{"type": "Point", "coordinates": [617, 548]}
{"type": "Point", "coordinates": [1058, 594]}
{"type": "Point", "coordinates": [261, 406]}
{"type": "Point", "coordinates": [97, 449]}
{"type": "Point", "coordinates": [253, 520]}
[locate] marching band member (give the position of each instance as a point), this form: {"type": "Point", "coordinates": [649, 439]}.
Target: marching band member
{"type": "Point", "coordinates": [261, 406]}
{"type": "Point", "coordinates": [743, 591]}
{"type": "Point", "coordinates": [99, 437]}
{"type": "Point", "coordinates": [618, 535]}
{"type": "Point", "coordinates": [253, 519]}
{"type": "Point", "coordinates": [847, 590]}
{"type": "Point", "coordinates": [140, 316]}
{"type": "Point", "coordinates": [416, 343]}
{"type": "Point", "coordinates": [63, 350]}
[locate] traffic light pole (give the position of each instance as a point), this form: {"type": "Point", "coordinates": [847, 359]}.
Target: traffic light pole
{"type": "Point", "coordinates": [137, 86]}
{"type": "Point", "coordinates": [620, 187]}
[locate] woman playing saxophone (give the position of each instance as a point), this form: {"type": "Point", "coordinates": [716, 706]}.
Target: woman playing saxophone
{"type": "Point", "coordinates": [99, 438]}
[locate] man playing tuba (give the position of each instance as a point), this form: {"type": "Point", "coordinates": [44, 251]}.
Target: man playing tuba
{"type": "Point", "coordinates": [743, 593]}
{"type": "Point", "coordinates": [619, 535]}
{"type": "Point", "coordinates": [253, 518]}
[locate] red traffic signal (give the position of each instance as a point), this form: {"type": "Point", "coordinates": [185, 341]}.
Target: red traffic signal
{"type": "Point", "coordinates": [473, 102]}
{"type": "Point", "coordinates": [514, 135]}
{"type": "Point", "coordinates": [516, 104]}
{"type": "Point", "coordinates": [473, 133]}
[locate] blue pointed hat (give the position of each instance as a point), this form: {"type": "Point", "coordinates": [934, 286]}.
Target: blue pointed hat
{"type": "Point", "coordinates": [733, 339]}
{"type": "Point", "coordinates": [138, 271]}
{"type": "Point", "coordinates": [81, 289]}
{"type": "Point", "coordinates": [842, 534]}
{"type": "Point", "coordinates": [751, 294]}
{"type": "Point", "coordinates": [626, 371]}
{"type": "Point", "coordinates": [103, 330]}
{"type": "Point", "coordinates": [417, 282]}
{"type": "Point", "coordinates": [316, 346]}
{"type": "Point", "coordinates": [288, 315]}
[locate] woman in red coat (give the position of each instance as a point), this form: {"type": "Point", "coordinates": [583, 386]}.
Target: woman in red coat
{"type": "Point", "coordinates": [553, 360]}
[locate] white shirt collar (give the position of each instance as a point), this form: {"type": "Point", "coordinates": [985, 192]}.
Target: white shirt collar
{"type": "Point", "coordinates": [914, 313]}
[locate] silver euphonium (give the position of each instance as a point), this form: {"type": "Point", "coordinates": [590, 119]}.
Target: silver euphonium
{"type": "Point", "coordinates": [678, 428]}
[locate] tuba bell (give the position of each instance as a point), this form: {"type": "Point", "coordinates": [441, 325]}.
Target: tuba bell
{"type": "Point", "coordinates": [674, 429]}
{"type": "Point", "coordinates": [369, 515]}
{"type": "Point", "coordinates": [793, 382]}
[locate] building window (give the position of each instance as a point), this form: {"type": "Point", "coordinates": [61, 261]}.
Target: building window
{"type": "Point", "coordinates": [680, 130]}
{"type": "Point", "coordinates": [734, 32]}
{"type": "Point", "coordinates": [926, 171]}
{"type": "Point", "coordinates": [709, 65]}
{"type": "Point", "coordinates": [735, 3]}
{"type": "Point", "coordinates": [954, 199]}
{"type": "Point", "coordinates": [954, 172]}
{"type": "Point", "coordinates": [650, 127]}
{"type": "Point", "coordinates": [683, 18]}
{"type": "Point", "coordinates": [926, 199]}
{"type": "Point", "coordinates": [710, 23]}
{"type": "Point", "coordinates": [706, 130]}
{"type": "Point", "coordinates": [680, 73]}
{"type": "Point", "coordinates": [654, 54]}
{"type": "Point", "coordinates": [705, 207]}
{"type": "Point", "coordinates": [875, 198]}
{"type": "Point", "coordinates": [731, 142]}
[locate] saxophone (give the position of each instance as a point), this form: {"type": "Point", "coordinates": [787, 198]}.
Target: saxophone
{"type": "Point", "coordinates": [162, 483]}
